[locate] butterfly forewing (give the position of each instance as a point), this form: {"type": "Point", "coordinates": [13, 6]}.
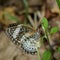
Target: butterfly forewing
{"type": "Point", "coordinates": [15, 31]}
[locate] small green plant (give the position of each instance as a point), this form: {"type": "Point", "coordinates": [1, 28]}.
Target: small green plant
{"type": "Point", "coordinates": [44, 22]}
{"type": "Point", "coordinates": [46, 55]}
{"type": "Point", "coordinates": [53, 30]}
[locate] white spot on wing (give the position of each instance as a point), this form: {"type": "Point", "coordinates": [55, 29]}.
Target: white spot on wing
{"type": "Point", "coordinates": [16, 32]}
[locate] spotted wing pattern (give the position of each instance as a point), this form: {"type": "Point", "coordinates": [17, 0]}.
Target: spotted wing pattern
{"type": "Point", "coordinates": [24, 36]}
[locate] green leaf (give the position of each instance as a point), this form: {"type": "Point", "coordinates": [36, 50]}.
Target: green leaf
{"type": "Point", "coordinates": [46, 55]}
{"type": "Point", "coordinates": [11, 17]}
{"type": "Point", "coordinates": [53, 30]}
{"type": "Point", "coordinates": [58, 50]}
{"type": "Point", "coordinates": [44, 22]}
{"type": "Point", "coordinates": [58, 2]}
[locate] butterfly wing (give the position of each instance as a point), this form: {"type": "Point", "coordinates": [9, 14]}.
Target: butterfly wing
{"type": "Point", "coordinates": [16, 31]}
{"type": "Point", "coordinates": [24, 36]}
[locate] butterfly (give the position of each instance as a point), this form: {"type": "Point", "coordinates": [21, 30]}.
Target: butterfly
{"type": "Point", "coordinates": [24, 37]}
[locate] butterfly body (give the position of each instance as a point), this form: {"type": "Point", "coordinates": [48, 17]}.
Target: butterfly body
{"type": "Point", "coordinates": [24, 36]}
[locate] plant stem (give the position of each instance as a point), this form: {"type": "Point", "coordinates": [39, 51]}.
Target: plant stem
{"type": "Point", "coordinates": [38, 50]}
{"type": "Point", "coordinates": [38, 54]}
{"type": "Point", "coordinates": [26, 9]}
{"type": "Point", "coordinates": [50, 43]}
{"type": "Point", "coordinates": [48, 37]}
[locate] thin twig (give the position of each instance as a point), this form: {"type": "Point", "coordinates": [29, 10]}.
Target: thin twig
{"type": "Point", "coordinates": [40, 17]}
{"type": "Point", "coordinates": [35, 20]}
{"type": "Point", "coordinates": [38, 45]}
{"type": "Point", "coordinates": [38, 52]}
{"type": "Point", "coordinates": [31, 20]}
